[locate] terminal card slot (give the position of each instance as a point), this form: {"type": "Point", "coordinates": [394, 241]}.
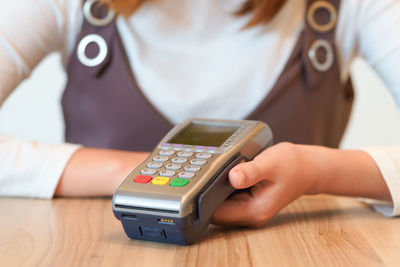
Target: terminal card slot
{"type": "Point", "coordinates": [217, 191]}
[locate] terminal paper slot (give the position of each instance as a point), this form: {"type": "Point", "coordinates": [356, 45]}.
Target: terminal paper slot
{"type": "Point", "coordinates": [146, 209]}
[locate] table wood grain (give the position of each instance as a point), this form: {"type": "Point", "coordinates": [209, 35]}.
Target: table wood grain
{"type": "Point", "coordinates": [312, 231]}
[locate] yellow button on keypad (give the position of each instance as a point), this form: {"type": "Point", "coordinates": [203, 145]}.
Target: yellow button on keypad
{"type": "Point", "coordinates": [159, 180]}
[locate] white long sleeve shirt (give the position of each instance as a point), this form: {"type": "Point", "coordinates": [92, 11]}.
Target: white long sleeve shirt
{"type": "Point", "coordinates": [196, 39]}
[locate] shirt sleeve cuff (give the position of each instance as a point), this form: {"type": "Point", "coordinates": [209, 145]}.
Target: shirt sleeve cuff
{"type": "Point", "coordinates": [388, 161]}
{"type": "Point", "coordinates": [53, 168]}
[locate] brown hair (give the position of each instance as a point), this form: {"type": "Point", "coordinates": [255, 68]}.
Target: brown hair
{"type": "Point", "coordinates": [263, 10]}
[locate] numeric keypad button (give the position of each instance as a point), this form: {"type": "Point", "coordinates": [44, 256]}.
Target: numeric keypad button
{"type": "Point", "coordinates": [166, 152]}
{"type": "Point", "coordinates": [167, 173]}
{"type": "Point", "coordinates": [203, 155]}
{"type": "Point", "coordinates": [154, 165]}
{"type": "Point", "coordinates": [173, 166]}
{"type": "Point", "coordinates": [148, 172]}
{"type": "Point", "coordinates": [192, 168]}
{"type": "Point", "coordinates": [179, 160]}
{"type": "Point", "coordinates": [198, 162]}
{"type": "Point", "coordinates": [185, 154]}
{"type": "Point", "coordinates": [160, 158]}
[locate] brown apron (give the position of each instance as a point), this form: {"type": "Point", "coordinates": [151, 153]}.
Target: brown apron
{"type": "Point", "coordinates": [104, 107]}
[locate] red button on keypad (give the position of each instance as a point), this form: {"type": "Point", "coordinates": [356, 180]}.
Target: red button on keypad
{"type": "Point", "coordinates": [142, 179]}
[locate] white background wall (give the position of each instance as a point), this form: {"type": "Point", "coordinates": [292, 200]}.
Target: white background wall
{"type": "Point", "coordinates": [33, 111]}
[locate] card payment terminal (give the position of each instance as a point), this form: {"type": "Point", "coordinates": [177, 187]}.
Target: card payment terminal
{"type": "Point", "coordinates": [171, 196]}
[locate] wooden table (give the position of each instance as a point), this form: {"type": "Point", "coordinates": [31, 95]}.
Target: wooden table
{"type": "Point", "coordinates": [313, 231]}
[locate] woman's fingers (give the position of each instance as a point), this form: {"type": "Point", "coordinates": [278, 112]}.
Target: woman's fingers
{"type": "Point", "coordinates": [252, 208]}
{"type": "Point", "coordinates": [233, 211]}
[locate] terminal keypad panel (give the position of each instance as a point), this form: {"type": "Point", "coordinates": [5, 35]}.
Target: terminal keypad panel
{"type": "Point", "coordinates": [173, 167]}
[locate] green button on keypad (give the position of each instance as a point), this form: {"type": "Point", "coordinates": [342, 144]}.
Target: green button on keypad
{"type": "Point", "coordinates": [179, 182]}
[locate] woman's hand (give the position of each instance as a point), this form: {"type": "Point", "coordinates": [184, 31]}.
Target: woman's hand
{"type": "Point", "coordinates": [284, 172]}
{"type": "Point", "coordinates": [97, 172]}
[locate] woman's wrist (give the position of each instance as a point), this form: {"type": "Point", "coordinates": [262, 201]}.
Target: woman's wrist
{"type": "Point", "coordinates": [344, 172]}
{"type": "Point", "coordinates": [97, 172]}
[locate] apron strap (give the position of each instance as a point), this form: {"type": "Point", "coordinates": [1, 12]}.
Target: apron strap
{"type": "Point", "coordinates": [319, 54]}
{"type": "Point", "coordinates": [98, 29]}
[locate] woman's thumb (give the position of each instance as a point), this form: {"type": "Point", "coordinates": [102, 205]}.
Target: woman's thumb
{"type": "Point", "coordinates": [245, 175]}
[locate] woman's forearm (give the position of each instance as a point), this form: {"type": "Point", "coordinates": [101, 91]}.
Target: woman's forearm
{"type": "Point", "coordinates": [345, 172]}
{"type": "Point", "coordinates": [97, 172]}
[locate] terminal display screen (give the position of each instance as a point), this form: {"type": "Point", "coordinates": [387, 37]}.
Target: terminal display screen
{"type": "Point", "coordinates": [204, 134]}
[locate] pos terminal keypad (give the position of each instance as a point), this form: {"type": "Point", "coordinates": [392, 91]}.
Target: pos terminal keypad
{"type": "Point", "coordinates": [173, 168]}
